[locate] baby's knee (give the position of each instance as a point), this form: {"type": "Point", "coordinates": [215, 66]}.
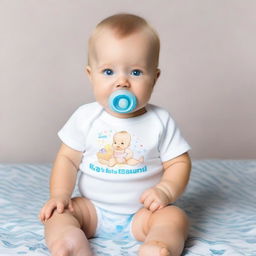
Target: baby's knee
{"type": "Point", "coordinates": [69, 242]}
{"type": "Point", "coordinates": [171, 214]}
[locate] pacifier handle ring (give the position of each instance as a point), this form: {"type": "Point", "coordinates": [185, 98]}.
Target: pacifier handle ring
{"type": "Point", "coordinates": [122, 101]}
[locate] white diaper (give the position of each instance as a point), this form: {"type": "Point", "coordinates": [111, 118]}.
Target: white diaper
{"type": "Point", "coordinates": [114, 226]}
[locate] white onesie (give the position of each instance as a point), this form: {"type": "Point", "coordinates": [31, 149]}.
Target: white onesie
{"type": "Point", "coordinates": [122, 157]}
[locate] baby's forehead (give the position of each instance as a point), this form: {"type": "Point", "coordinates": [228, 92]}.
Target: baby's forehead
{"type": "Point", "coordinates": [106, 39]}
{"type": "Point", "coordinates": [111, 34]}
{"type": "Point", "coordinates": [123, 135]}
{"type": "Point", "coordinates": [121, 26]}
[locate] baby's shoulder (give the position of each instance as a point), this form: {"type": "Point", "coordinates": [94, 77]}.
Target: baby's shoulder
{"type": "Point", "coordinates": [160, 112]}
{"type": "Point", "coordinates": [86, 113]}
{"type": "Point", "coordinates": [87, 110]}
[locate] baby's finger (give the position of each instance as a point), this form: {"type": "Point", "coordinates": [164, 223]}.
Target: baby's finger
{"type": "Point", "coordinates": [48, 210]}
{"type": "Point", "coordinates": [70, 206]}
{"type": "Point", "coordinates": [60, 207]}
{"type": "Point", "coordinates": [154, 206]}
{"type": "Point", "coordinates": [41, 215]}
{"type": "Point", "coordinates": [144, 196]}
{"type": "Point", "coordinates": [148, 201]}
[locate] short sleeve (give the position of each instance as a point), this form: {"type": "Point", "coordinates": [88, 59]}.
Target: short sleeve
{"type": "Point", "coordinates": [72, 133]}
{"type": "Point", "coordinates": [172, 144]}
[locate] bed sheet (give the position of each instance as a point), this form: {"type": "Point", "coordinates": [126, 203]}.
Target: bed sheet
{"type": "Point", "coordinates": [220, 201]}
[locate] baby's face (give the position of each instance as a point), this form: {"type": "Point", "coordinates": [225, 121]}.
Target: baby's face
{"type": "Point", "coordinates": [121, 141]}
{"type": "Point", "coordinates": [123, 63]}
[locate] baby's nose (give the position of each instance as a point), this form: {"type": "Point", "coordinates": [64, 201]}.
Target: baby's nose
{"type": "Point", "coordinates": [123, 82]}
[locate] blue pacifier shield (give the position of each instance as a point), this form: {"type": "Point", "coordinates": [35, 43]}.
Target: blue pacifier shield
{"type": "Point", "coordinates": [122, 101]}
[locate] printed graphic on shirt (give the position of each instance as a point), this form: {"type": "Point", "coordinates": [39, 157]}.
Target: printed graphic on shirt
{"type": "Point", "coordinates": [122, 170]}
{"type": "Point", "coordinates": [118, 149]}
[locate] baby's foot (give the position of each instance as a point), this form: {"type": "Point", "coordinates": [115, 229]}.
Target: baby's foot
{"type": "Point", "coordinates": [154, 248]}
{"type": "Point", "coordinates": [111, 162]}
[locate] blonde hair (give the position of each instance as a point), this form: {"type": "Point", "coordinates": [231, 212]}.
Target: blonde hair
{"type": "Point", "coordinates": [125, 24]}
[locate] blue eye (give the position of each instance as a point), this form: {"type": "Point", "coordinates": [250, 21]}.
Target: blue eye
{"type": "Point", "coordinates": [108, 72]}
{"type": "Point", "coordinates": [136, 72]}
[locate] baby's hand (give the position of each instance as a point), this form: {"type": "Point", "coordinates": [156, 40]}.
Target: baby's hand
{"type": "Point", "coordinates": [155, 198]}
{"type": "Point", "coordinates": [59, 203]}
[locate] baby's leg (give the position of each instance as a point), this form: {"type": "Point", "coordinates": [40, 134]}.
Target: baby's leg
{"type": "Point", "coordinates": [112, 162]}
{"type": "Point", "coordinates": [66, 234]}
{"type": "Point", "coordinates": [133, 161]}
{"type": "Point", "coordinates": [163, 232]}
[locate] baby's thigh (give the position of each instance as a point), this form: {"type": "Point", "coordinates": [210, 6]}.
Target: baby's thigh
{"type": "Point", "coordinates": [144, 220]}
{"type": "Point", "coordinates": [85, 213]}
{"type": "Point", "coordinates": [170, 215]}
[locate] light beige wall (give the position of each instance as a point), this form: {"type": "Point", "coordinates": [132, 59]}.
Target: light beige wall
{"type": "Point", "coordinates": [207, 60]}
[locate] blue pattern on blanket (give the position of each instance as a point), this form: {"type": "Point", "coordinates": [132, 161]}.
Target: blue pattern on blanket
{"type": "Point", "coordinates": [220, 201]}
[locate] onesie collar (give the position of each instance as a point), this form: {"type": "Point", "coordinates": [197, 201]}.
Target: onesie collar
{"type": "Point", "coordinates": [116, 120]}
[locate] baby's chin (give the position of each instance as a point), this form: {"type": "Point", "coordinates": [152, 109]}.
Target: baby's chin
{"type": "Point", "coordinates": [118, 148]}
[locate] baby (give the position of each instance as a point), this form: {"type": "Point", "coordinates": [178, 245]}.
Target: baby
{"type": "Point", "coordinates": [120, 200]}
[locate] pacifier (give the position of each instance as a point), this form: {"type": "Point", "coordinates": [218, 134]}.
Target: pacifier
{"type": "Point", "coordinates": [122, 101]}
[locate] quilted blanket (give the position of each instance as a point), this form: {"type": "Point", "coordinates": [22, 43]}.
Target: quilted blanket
{"type": "Point", "coordinates": [220, 201]}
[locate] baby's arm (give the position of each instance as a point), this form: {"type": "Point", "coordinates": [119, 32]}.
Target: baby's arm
{"type": "Point", "coordinates": [62, 181]}
{"type": "Point", "coordinates": [128, 154]}
{"type": "Point", "coordinates": [173, 183]}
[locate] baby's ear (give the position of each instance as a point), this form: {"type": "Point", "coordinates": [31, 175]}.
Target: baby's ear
{"type": "Point", "coordinates": [158, 72]}
{"type": "Point", "coordinates": [88, 71]}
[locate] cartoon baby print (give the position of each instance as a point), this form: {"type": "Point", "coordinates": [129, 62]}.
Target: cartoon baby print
{"type": "Point", "coordinates": [120, 153]}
